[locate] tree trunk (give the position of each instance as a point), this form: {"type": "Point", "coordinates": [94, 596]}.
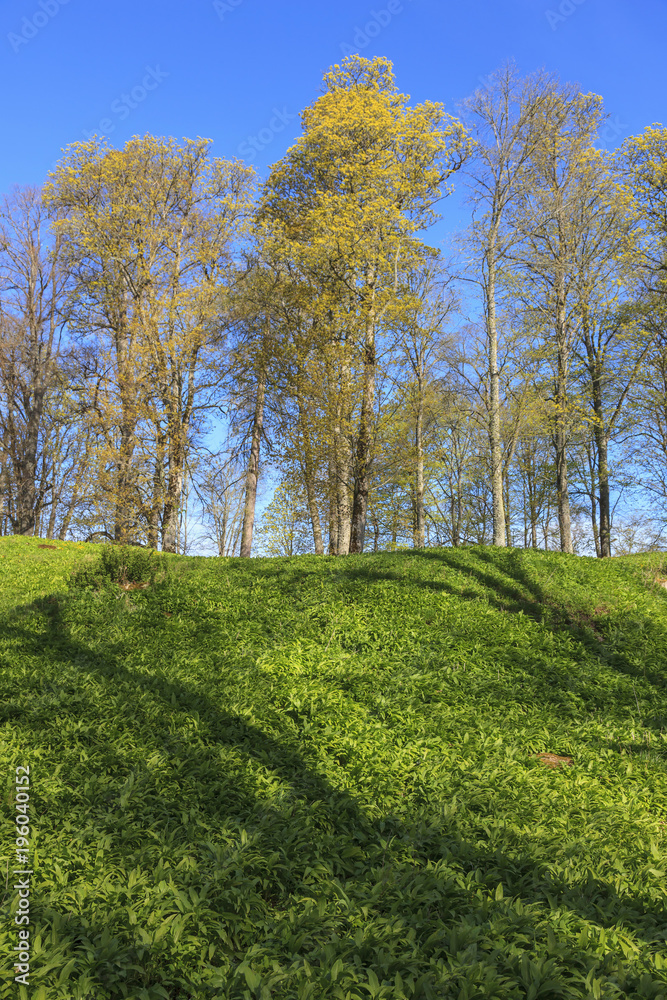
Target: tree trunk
{"type": "Point", "coordinates": [594, 526]}
{"type": "Point", "coordinates": [341, 485]}
{"type": "Point", "coordinates": [158, 487]}
{"type": "Point", "coordinates": [308, 471]}
{"type": "Point", "coordinates": [499, 536]}
{"type": "Point", "coordinates": [455, 508]}
{"type": "Point", "coordinates": [560, 435]}
{"type": "Point", "coordinates": [316, 525]}
{"type": "Point", "coordinates": [601, 438]}
{"type": "Point", "coordinates": [418, 538]}
{"type": "Point", "coordinates": [506, 505]}
{"type": "Point", "coordinates": [333, 510]}
{"type": "Point", "coordinates": [171, 518]}
{"type": "Point", "coordinates": [177, 437]}
{"type": "Point", "coordinates": [253, 467]}
{"type": "Point", "coordinates": [604, 499]}
{"type": "Point", "coordinates": [562, 490]}
{"type": "Point", "coordinates": [376, 533]}
{"type": "Point", "coordinates": [127, 393]}
{"type": "Point", "coordinates": [532, 506]}
{"type": "Point", "coordinates": [365, 435]}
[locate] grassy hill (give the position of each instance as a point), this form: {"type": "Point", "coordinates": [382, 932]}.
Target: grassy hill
{"type": "Point", "coordinates": [319, 778]}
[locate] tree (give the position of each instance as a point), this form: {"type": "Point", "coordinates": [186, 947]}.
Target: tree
{"type": "Point", "coordinates": [283, 529]}
{"type": "Point", "coordinates": [148, 233]}
{"type": "Point", "coordinates": [648, 395]}
{"type": "Point", "coordinates": [421, 347]}
{"type": "Point", "coordinates": [33, 291]}
{"type": "Point", "coordinates": [221, 495]}
{"type": "Point", "coordinates": [553, 222]}
{"type": "Point", "coordinates": [643, 158]}
{"type": "Point", "coordinates": [506, 117]}
{"type": "Point", "coordinates": [346, 205]}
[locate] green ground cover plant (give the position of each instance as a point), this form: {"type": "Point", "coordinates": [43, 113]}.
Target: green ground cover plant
{"type": "Point", "coordinates": [319, 777]}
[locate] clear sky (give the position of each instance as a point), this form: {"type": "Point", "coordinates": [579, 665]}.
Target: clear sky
{"type": "Point", "coordinates": [239, 71]}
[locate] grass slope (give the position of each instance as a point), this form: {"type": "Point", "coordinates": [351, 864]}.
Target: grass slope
{"type": "Point", "coordinates": [317, 778]}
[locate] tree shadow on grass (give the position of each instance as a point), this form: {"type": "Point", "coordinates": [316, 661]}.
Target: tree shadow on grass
{"type": "Point", "coordinates": [380, 903]}
{"type": "Point", "coordinates": [503, 580]}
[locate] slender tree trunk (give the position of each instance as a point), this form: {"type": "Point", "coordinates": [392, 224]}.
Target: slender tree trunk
{"type": "Point", "coordinates": [506, 506]}
{"type": "Point", "coordinates": [316, 524]}
{"type": "Point", "coordinates": [56, 496]}
{"type": "Point", "coordinates": [499, 536]}
{"type": "Point", "coordinates": [75, 495]}
{"type": "Point", "coordinates": [28, 497]}
{"type": "Point", "coordinates": [342, 463]}
{"type": "Point", "coordinates": [594, 526]}
{"type": "Point", "coordinates": [601, 439]}
{"type": "Point", "coordinates": [333, 509]}
{"type": "Point", "coordinates": [454, 513]}
{"type": "Point", "coordinates": [308, 470]}
{"type": "Point", "coordinates": [365, 435]}
{"type": "Point", "coordinates": [158, 489]}
{"type": "Point", "coordinates": [177, 437]}
{"type": "Point", "coordinates": [604, 498]}
{"type": "Point", "coordinates": [343, 514]}
{"type": "Point", "coordinates": [525, 514]}
{"type": "Point", "coordinates": [562, 490]}
{"type": "Point", "coordinates": [560, 435]}
{"type": "Point", "coordinates": [25, 518]}
{"type": "Point", "coordinates": [418, 539]}
{"type": "Point", "coordinates": [531, 497]}
{"type": "Point", "coordinates": [186, 494]}
{"type": "Point", "coordinates": [253, 467]}
{"type": "Point", "coordinates": [51, 526]}
{"type": "Point", "coordinates": [127, 394]}
{"type": "Point", "coordinates": [376, 533]}
{"type": "Point", "coordinates": [171, 520]}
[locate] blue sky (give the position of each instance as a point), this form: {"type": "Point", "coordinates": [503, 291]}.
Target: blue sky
{"type": "Point", "coordinates": [239, 71]}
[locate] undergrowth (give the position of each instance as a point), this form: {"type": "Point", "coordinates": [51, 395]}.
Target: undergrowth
{"type": "Point", "coordinates": [118, 564]}
{"type": "Point", "coordinates": [318, 778]}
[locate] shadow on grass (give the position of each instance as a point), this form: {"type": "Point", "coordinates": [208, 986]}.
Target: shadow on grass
{"type": "Point", "coordinates": [503, 580]}
{"type": "Point", "coordinates": [400, 884]}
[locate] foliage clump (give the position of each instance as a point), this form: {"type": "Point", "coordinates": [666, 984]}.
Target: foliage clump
{"type": "Point", "coordinates": [124, 565]}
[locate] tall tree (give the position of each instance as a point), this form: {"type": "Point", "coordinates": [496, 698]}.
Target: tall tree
{"type": "Point", "coordinates": [347, 204]}
{"type": "Point", "coordinates": [149, 232]}
{"type": "Point", "coordinates": [421, 345]}
{"type": "Point", "coordinates": [553, 227]}
{"type": "Point", "coordinates": [644, 161]}
{"type": "Point", "coordinates": [506, 120]}
{"type": "Point", "coordinates": [33, 292]}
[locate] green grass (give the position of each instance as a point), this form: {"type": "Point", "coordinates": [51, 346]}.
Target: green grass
{"type": "Point", "coordinates": [317, 778]}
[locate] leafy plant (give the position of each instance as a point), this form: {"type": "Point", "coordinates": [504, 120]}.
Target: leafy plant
{"type": "Point", "coordinates": [118, 564]}
{"type": "Point", "coordinates": [280, 778]}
